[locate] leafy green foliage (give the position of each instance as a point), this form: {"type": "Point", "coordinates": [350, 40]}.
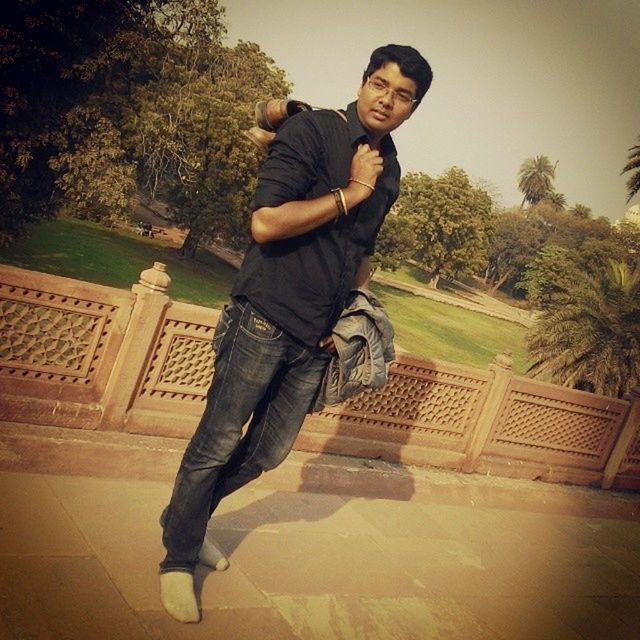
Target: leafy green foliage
{"type": "Point", "coordinates": [451, 219]}
{"type": "Point", "coordinates": [53, 56]}
{"type": "Point", "coordinates": [581, 211]}
{"type": "Point", "coordinates": [185, 127]}
{"type": "Point", "coordinates": [519, 235]}
{"type": "Point", "coordinates": [513, 243]}
{"type": "Point", "coordinates": [395, 243]}
{"type": "Point", "coordinates": [626, 235]}
{"type": "Point", "coordinates": [590, 340]}
{"type": "Point", "coordinates": [552, 276]}
{"type": "Point", "coordinates": [558, 200]}
{"type": "Point", "coordinates": [535, 178]}
{"type": "Point", "coordinates": [99, 93]}
{"type": "Point", "coordinates": [633, 166]}
{"type": "Point", "coordinates": [93, 180]}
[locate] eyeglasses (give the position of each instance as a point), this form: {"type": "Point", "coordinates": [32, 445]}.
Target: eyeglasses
{"type": "Point", "coordinates": [381, 88]}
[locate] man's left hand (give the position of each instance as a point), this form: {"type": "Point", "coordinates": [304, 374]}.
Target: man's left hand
{"type": "Point", "coordinates": [328, 344]}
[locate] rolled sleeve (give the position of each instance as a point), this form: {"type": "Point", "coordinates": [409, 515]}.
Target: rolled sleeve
{"type": "Point", "coordinates": [290, 169]}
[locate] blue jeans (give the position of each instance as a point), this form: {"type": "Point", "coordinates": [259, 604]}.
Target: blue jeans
{"type": "Point", "coordinates": [261, 373]}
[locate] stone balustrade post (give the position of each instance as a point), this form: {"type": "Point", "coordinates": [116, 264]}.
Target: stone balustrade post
{"type": "Point", "coordinates": [144, 324]}
{"type": "Point", "coordinates": [502, 370]}
{"type": "Point", "coordinates": [629, 430]}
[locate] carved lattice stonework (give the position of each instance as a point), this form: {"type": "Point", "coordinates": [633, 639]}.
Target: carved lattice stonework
{"type": "Point", "coordinates": [51, 337]}
{"type": "Point", "coordinates": [432, 402]}
{"type": "Point", "coordinates": [633, 454]}
{"type": "Point", "coordinates": [182, 363]}
{"type": "Point", "coordinates": [553, 425]}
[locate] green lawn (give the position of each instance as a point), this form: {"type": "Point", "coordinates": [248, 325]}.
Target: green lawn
{"type": "Point", "coordinates": [87, 251]}
{"type": "Point", "coordinates": [437, 330]}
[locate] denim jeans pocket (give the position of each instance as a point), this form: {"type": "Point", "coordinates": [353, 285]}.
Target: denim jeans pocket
{"type": "Point", "coordinates": [224, 320]}
{"type": "Point", "coordinates": [258, 327]}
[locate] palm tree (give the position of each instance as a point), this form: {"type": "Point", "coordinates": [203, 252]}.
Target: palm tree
{"type": "Point", "coordinates": [581, 211]}
{"type": "Point", "coordinates": [633, 183]}
{"type": "Point", "coordinates": [535, 178]}
{"type": "Point", "coordinates": [591, 339]}
{"type": "Point", "coordinates": [558, 200]}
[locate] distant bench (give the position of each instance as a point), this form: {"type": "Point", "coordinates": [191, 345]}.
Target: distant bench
{"type": "Point", "coordinates": [148, 230]}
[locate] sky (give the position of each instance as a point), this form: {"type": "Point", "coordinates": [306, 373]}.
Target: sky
{"type": "Point", "coordinates": [512, 79]}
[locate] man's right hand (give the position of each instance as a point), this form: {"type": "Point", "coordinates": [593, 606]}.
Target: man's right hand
{"type": "Point", "coordinates": [366, 166]}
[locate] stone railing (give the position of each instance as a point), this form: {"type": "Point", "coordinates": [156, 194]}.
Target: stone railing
{"type": "Point", "coordinates": [84, 356]}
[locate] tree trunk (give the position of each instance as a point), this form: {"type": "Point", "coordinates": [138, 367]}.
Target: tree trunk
{"type": "Point", "coordinates": [189, 246]}
{"type": "Point", "coordinates": [500, 282]}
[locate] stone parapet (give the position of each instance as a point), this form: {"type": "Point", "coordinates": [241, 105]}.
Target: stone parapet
{"type": "Point", "coordinates": [84, 356]}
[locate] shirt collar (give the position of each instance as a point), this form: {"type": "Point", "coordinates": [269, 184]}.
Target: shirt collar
{"type": "Point", "coordinates": [357, 133]}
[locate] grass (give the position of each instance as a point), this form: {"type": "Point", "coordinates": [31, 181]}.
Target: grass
{"type": "Point", "coordinates": [436, 330]}
{"type": "Point", "coordinates": [115, 258]}
{"type": "Point", "coordinates": [87, 251]}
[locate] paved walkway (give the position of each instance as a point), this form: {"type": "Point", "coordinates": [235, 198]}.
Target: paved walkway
{"type": "Point", "coordinates": [321, 548]}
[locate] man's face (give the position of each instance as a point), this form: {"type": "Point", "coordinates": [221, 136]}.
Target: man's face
{"type": "Point", "coordinates": [379, 106]}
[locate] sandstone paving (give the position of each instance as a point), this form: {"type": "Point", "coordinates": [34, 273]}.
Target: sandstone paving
{"type": "Point", "coordinates": [63, 598]}
{"type": "Point", "coordinates": [333, 617]}
{"type": "Point", "coordinates": [599, 617]}
{"type": "Point", "coordinates": [317, 563]}
{"type": "Point", "coordinates": [79, 560]}
{"type": "Point", "coordinates": [221, 624]}
{"type": "Point", "coordinates": [301, 511]}
{"type": "Point", "coordinates": [32, 519]}
{"type": "Point", "coordinates": [522, 618]}
{"type": "Point", "coordinates": [120, 522]}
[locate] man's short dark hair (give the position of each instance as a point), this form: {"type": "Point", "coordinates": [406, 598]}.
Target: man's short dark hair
{"type": "Point", "coordinates": [411, 64]}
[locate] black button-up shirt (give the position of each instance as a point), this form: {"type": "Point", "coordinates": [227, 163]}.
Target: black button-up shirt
{"type": "Point", "coordinates": [301, 283]}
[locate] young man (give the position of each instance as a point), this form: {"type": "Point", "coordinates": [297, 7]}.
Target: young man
{"type": "Point", "coordinates": [322, 195]}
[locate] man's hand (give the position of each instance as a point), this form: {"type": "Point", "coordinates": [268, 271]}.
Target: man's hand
{"type": "Point", "coordinates": [328, 344]}
{"type": "Point", "coordinates": [366, 166]}
{"type": "Point", "coordinates": [297, 217]}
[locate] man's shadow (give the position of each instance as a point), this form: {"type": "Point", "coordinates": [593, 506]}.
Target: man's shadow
{"type": "Point", "coordinates": [354, 461]}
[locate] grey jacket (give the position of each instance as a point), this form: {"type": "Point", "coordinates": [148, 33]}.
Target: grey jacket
{"type": "Point", "coordinates": [363, 337]}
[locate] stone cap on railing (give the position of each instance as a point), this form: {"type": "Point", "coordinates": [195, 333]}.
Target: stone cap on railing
{"type": "Point", "coordinates": [504, 360]}
{"type": "Point", "coordinates": [156, 278]}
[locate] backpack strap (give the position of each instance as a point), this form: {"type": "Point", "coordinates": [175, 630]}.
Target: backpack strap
{"type": "Point", "coordinates": [341, 113]}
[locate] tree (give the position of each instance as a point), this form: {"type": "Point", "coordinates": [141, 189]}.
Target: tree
{"type": "Point", "coordinates": [563, 228]}
{"type": "Point", "coordinates": [535, 178]}
{"type": "Point", "coordinates": [558, 200]}
{"type": "Point", "coordinates": [627, 236]}
{"type": "Point", "coordinates": [552, 274]}
{"type": "Point", "coordinates": [215, 201]}
{"type": "Point", "coordinates": [513, 243]}
{"type": "Point", "coordinates": [581, 211]}
{"type": "Point", "coordinates": [395, 243]}
{"type": "Point", "coordinates": [53, 57]}
{"type": "Point", "coordinates": [451, 219]}
{"type": "Point", "coordinates": [188, 136]}
{"type": "Point", "coordinates": [591, 339]}
{"type": "Point", "coordinates": [518, 235]}
{"type": "Point", "coordinates": [633, 183]}
{"type": "Point", "coordinates": [93, 179]}
{"type": "Point", "coordinates": [595, 254]}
